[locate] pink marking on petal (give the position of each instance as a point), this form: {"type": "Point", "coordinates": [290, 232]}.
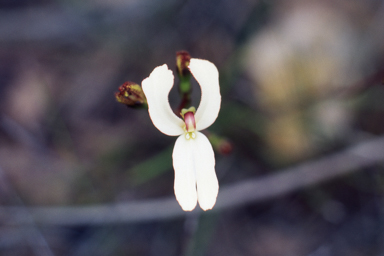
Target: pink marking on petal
{"type": "Point", "coordinates": [189, 119]}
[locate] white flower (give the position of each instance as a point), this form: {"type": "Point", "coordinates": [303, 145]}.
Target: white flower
{"type": "Point", "coordinates": [193, 157]}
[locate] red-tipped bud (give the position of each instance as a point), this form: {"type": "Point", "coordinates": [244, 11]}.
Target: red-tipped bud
{"type": "Point", "coordinates": [220, 144]}
{"type": "Point", "coordinates": [225, 147]}
{"type": "Point", "coordinates": [131, 95]}
{"type": "Point", "coordinates": [182, 62]}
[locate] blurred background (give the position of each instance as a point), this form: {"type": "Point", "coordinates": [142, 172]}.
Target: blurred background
{"type": "Point", "coordinates": [300, 81]}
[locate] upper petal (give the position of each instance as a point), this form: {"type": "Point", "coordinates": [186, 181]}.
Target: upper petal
{"type": "Point", "coordinates": [185, 180]}
{"type": "Point", "coordinates": [156, 88]}
{"type": "Point", "coordinates": [207, 76]}
{"type": "Point", "coordinates": [206, 180]}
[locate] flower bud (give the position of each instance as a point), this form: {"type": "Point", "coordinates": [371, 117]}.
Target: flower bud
{"type": "Point", "coordinates": [220, 144]}
{"type": "Point", "coordinates": [182, 65]}
{"type": "Point", "coordinates": [182, 62]}
{"type": "Point", "coordinates": [131, 95]}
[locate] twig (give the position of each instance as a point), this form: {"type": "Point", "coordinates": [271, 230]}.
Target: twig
{"type": "Point", "coordinates": [355, 158]}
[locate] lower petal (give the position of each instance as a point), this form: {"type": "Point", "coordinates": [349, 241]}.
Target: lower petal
{"type": "Point", "coordinates": [185, 180]}
{"type": "Point", "coordinates": [207, 183]}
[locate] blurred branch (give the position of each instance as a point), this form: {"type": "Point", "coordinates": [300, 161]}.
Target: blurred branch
{"type": "Point", "coordinates": [355, 158]}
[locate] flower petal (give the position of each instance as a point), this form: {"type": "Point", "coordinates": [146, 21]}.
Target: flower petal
{"type": "Point", "coordinates": [185, 180]}
{"type": "Point", "coordinates": [207, 184]}
{"type": "Point", "coordinates": [156, 88]}
{"type": "Point", "coordinates": [207, 76]}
